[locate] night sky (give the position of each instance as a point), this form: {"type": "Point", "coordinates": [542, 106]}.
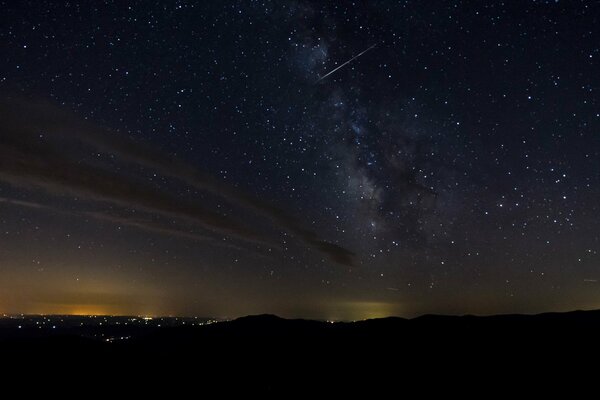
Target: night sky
{"type": "Point", "coordinates": [197, 158]}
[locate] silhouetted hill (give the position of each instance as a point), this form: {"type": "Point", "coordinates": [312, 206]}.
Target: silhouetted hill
{"type": "Point", "coordinates": [269, 330]}
{"type": "Point", "coordinates": [266, 351]}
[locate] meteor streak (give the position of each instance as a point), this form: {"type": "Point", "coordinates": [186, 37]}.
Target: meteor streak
{"type": "Point", "coordinates": [347, 62]}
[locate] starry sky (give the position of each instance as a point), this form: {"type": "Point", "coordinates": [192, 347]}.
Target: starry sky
{"type": "Point", "coordinates": [211, 159]}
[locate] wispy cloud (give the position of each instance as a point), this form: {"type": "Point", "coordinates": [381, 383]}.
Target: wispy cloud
{"type": "Point", "coordinates": [28, 160]}
{"type": "Point", "coordinates": [27, 164]}
{"type": "Point", "coordinates": [144, 224]}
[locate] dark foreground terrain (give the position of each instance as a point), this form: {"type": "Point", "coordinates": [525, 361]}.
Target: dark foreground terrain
{"type": "Point", "coordinates": [269, 353]}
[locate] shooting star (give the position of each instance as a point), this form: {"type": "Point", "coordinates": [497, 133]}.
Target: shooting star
{"type": "Point", "coordinates": [347, 62]}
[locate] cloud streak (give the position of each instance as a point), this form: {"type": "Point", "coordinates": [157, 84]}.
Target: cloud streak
{"type": "Point", "coordinates": [142, 224]}
{"type": "Point", "coordinates": [26, 162]}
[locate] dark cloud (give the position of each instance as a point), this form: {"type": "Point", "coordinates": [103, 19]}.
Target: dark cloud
{"type": "Point", "coordinates": [336, 253]}
{"type": "Point", "coordinates": [29, 160]}
{"type": "Point", "coordinates": [180, 170]}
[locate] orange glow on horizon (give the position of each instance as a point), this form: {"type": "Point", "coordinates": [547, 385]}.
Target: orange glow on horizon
{"type": "Point", "coordinates": [78, 309]}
